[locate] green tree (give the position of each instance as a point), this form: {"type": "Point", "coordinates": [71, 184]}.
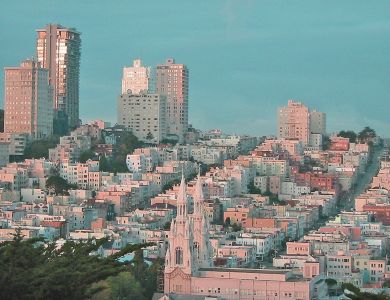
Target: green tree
{"type": "Point", "coordinates": [236, 227]}
{"type": "Point", "coordinates": [1, 120]}
{"type": "Point", "coordinates": [104, 164]}
{"type": "Point", "coordinates": [252, 189]}
{"type": "Point", "coordinates": [30, 269]}
{"type": "Point", "coordinates": [40, 148]}
{"type": "Point", "coordinates": [84, 156]}
{"type": "Point", "coordinates": [355, 293]}
{"type": "Point", "coordinates": [330, 281]}
{"type": "Point", "coordinates": [125, 287]}
{"type": "Point", "coordinates": [366, 135]}
{"type": "Point", "coordinates": [351, 135]}
{"type": "Point", "coordinates": [146, 275]}
{"type": "Point", "coordinates": [126, 143]}
{"type": "Point", "coordinates": [149, 136]}
{"type": "Point", "coordinates": [167, 226]}
{"type": "Point", "coordinates": [326, 142]}
{"type": "Point", "coordinates": [58, 184]}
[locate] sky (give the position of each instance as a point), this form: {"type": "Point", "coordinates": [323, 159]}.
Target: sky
{"type": "Point", "coordinates": [246, 58]}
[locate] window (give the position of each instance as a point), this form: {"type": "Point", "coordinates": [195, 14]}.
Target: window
{"type": "Point", "coordinates": [196, 250]}
{"type": "Point", "coordinates": [179, 256]}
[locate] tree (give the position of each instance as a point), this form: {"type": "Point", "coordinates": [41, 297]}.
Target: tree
{"type": "Point", "coordinates": [84, 156]}
{"type": "Point", "coordinates": [125, 287]}
{"type": "Point", "coordinates": [169, 141]}
{"type": "Point", "coordinates": [351, 135]}
{"type": "Point", "coordinates": [326, 142]}
{"type": "Point", "coordinates": [40, 148]}
{"type": "Point", "coordinates": [366, 135]}
{"type": "Point", "coordinates": [167, 226]}
{"type": "Point", "coordinates": [149, 136]}
{"type": "Point", "coordinates": [236, 227]}
{"type": "Point", "coordinates": [1, 120]}
{"type": "Point", "coordinates": [126, 143]}
{"type": "Point", "coordinates": [103, 164]}
{"type": "Point", "coordinates": [31, 269]}
{"type": "Point", "coordinates": [58, 184]}
{"type": "Point", "coordinates": [355, 293]}
{"type": "Point", "coordinates": [252, 189]}
{"type": "Point", "coordinates": [330, 281]}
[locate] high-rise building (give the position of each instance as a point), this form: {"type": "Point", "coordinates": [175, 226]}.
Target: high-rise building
{"type": "Point", "coordinates": [28, 100]}
{"type": "Point", "coordinates": [294, 122]}
{"type": "Point", "coordinates": [144, 114]}
{"type": "Point", "coordinates": [317, 122]}
{"type": "Point", "coordinates": [58, 50]}
{"type": "Point", "coordinates": [172, 81]}
{"type": "Point", "coordinates": [135, 78]}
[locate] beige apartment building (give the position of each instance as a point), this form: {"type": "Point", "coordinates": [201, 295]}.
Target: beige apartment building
{"type": "Point", "coordinates": [58, 50]}
{"type": "Point", "coordinates": [144, 114]}
{"type": "Point", "coordinates": [296, 121]}
{"type": "Point", "coordinates": [293, 122]}
{"type": "Point", "coordinates": [28, 100]}
{"type": "Point", "coordinates": [135, 78]}
{"type": "Point", "coordinates": [172, 81]}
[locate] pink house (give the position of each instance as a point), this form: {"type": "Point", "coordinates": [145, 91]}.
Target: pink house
{"type": "Point", "coordinates": [300, 248]}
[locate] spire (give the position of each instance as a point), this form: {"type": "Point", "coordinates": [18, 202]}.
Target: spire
{"type": "Point", "coordinates": [198, 189]}
{"type": "Point", "coordinates": [182, 190]}
{"type": "Point", "coordinates": [182, 198]}
{"type": "Point", "coordinates": [198, 196]}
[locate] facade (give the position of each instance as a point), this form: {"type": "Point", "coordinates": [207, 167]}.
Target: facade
{"type": "Point", "coordinates": [188, 268]}
{"type": "Point", "coordinates": [172, 81]}
{"type": "Point", "coordinates": [135, 78]}
{"type": "Point", "coordinates": [293, 122]}
{"type": "Point", "coordinates": [317, 122]}
{"type": "Point", "coordinates": [144, 114]}
{"type": "Point", "coordinates": [4, 154]}
{"type": "Point", "coordinates": [58, 50]}
{"type": "Point", "coordinates": [28, 100]}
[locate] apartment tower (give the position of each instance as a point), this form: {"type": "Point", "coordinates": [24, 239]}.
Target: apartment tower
{"type": "Point", "coordinates": [135, 78]}
{"type": "Point", "coordinates": [144, 114]}
{"type": "Point", "coordinates": [294, 122]}
{"type": "Point", "coordinates": [172, 81]}
{"type": "Point", "coordinates": [58, 50]}
{"type": "Point", "coordinates": [28, 100]}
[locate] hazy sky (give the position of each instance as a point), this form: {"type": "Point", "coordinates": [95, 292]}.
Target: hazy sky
{"type": "Point", "coordinates": [246, 58]}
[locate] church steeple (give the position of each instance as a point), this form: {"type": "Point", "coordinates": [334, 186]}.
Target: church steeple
{"type": "Point", "coordinates": [198, 197]}
{"type": "Point", "coordinates": [182, 200]}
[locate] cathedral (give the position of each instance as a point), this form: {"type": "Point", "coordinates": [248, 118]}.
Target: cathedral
{"type": "Point", "coordinates": [189, 266]}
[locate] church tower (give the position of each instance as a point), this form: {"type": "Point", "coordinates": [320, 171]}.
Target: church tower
{"type": "Point", "coordinates": [179, 262]}
{"type": "Point", "coordinates": [201, 246]}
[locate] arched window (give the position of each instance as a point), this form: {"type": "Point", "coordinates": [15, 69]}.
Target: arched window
{"type": "Point", "coordinates": [179, 256]}
{"type": "Point", "coordinates": [196, 250]}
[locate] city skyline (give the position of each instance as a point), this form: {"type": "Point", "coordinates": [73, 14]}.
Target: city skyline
{"type": "Point", "coordinates": [241, 57]}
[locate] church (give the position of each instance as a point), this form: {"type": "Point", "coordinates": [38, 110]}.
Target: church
{"type": "Point", "coordinates": [189, 266]}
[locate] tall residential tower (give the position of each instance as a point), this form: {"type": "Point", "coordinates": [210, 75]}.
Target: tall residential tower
{"type": "Point", "coordinates": [172, 81]}
{"type": "Point", "coordinates": [296, 121]}
{"type": "Point", "coordinates": [28, 100]}
{"type": "Point", "coordinates": [135, 78]}
{"type": "Point", "coordinates": [58, 50]}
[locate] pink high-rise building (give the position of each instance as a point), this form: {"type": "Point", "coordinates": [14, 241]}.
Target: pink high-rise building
{"type": "Point", "coordinates": [28, 100]}
{"type": "Point", "coordinates": [294, 122]}
{"type": "Point", "coordinates": [58, 50]}
{"type": "Point", "coordinates": [172, 81]}
{"type": "Point", "coordinates": [135, 78]}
